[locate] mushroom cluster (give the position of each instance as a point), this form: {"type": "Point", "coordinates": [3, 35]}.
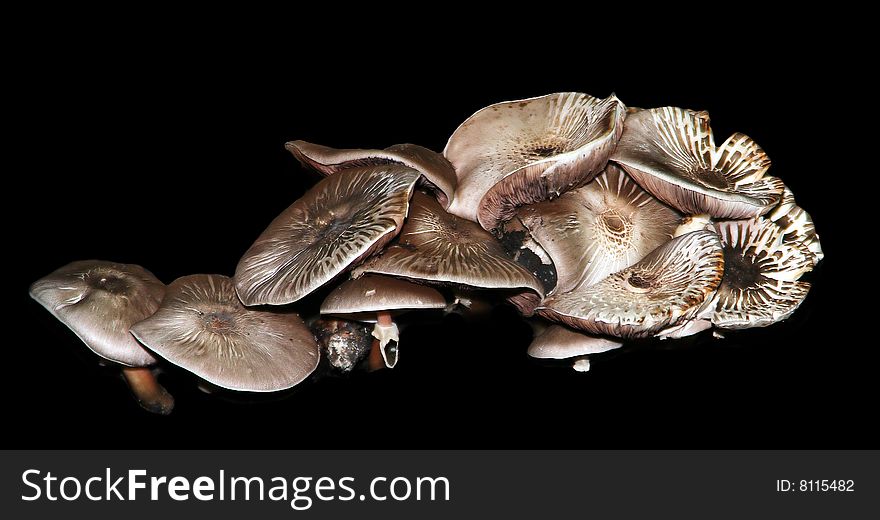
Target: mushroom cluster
{"type": "Point", "coordinates": [601, 224]}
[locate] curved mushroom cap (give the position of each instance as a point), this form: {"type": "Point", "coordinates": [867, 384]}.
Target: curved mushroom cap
{"type": "Point", "coordinates": [437, 172]}
{"type": "Point", "coordinates": [374, 293]}
{"type": "Point", "coordinates": [671, 153]}
{"type": "Point", "coordinates": [340, 221]}
{"type": "Point", "coordinates": [99, 301]}
{"type": "Point", "coordinates": [438, 247]}
{"type": "Point", "coordinates": [761, 273]}
{"type": "Point", "coordinates": [558, 342]}
{"type": "Point", "coordinates": [203, 327]}
{"type": "Point", "coordinates": [797, 225]}
{"type": "Point", "coordinates": [670, 285]}
{"type": "Point", "coordinates": [600, 228]}
{"type": "Point", "coordinates": [520, 152]}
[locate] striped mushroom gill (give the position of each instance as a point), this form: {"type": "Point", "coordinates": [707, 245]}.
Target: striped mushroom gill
{"type": "Point", "coordinates": [526, 151]}
{"type": "Point", "coordinates": [339, 222]}
{"type": "Point", "coordinates": [202, 327]}
{"type": "Point", "coordinates": [671, 152]}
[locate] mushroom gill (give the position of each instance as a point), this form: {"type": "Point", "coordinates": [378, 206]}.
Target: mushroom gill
{"type": "Point", "coordinates": [435, 246]}
{"type": "Point", "coordinates": [599, 228]}
{"type": "Point", "coordinates": [672, 154]}
{"type": "Point", "coordinates": [202, 327]}
{"type": "Point", "coordinates": [670, 285]}
{"type": "Point", "coordinates": [797, 225]}
{"type": "Point", "coordinates": [520, 152]}
{"type": "Point", "coordinates": [438, 175]}
{"type": "Point", "coordinates": [761, 274]}
{"type": "Point", "coordinates": [339, 222]}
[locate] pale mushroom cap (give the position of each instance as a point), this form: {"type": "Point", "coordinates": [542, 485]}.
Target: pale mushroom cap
{"type": "Point", "coordinates": [374, 293]}
{"type": "Point", "coordinates": [341, 220]}
{"type": "Point", "coordinates": [761, 275]}
{"type": "Point", "coordinates": [203, 327]}
{"type": "Point", "coordinates": [525, 151]}
{"type": "Point", "coordinates": [438, 247]}
{"type": "Point", "coordinates": [600, 228]}
{"type": "Point", "coordinates": [671, 153]}
{"type": "Point", "coordinates": [558, 342]}
{"type": "Point", "coordinates": [670, 285]}
{"type": "Point", "coordinates": [438, 173]}
{"type": "Point", "coordinates": [99, 301]}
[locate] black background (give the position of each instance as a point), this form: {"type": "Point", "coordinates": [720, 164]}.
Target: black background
{"type": "Point", "coordinates": [170, 154]}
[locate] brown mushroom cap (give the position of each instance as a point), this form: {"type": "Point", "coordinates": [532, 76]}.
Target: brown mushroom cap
{"type": "Point", "coordinates": [343, 219]}
{"type": "Point", "coordinates": [558, 342]}
{"type": "Point", "coordinates": [438, 173]}
{"type": "Point", "coordinates": [600, 228]}
{"type": "Point", "coordinates": [761, 275]}
{"type": "Point", "coordinates": [99, 301]}
{"type": "Point", "coordinates": [374, 293]}
{"type": "Point", "coordinates": [438, 247]}
{"type": "Point", "coordinates": [203, 327]}
{"type": "Point", "coordinates": [671, 153]}
{"type": "Point", "coordinates": [670, 285]}
{"type": "Point", "coordinates": [525, 151]}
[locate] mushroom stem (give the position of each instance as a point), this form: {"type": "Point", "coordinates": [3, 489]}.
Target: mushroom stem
{"type": "Point", "coordinates": [386, 332]}
{"type": "Point", "coordinates": [149, 393]}
{"type": "Point", "coordinates": [375, 360]}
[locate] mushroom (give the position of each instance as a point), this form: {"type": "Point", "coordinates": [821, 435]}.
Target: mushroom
{"type": "Point", "coordinates": [558, 342]}
{"type": "Point", "coordinates": [437, 173]}
{"type": "Point", "coordinates": [669, 286]}
{"type": "Point", "coordinates": [202, 327]}
{"type": "Point", "coordinates": [761, 274]}
{"type": "Point", "coordinates": [344, 342]}
{"type": "Point", "coordinates": [526, 151]}
{"type": "Point", "coordinates": [340, 221]}
{"type": "Point", "coordinates": [99, 301]}
{"type": "Point", "coordinates": [435, 246]}
{"type": "Point", "coordinates": [672, 154]}
{"type": "Point", "coordinates": [375, 297]}
{"type": "Point", "coordinates": [599, 229]}
{"type": "Point", "coordinates": [797, 225]}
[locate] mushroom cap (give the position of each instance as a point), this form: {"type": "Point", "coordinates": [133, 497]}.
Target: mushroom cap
{"type": "Point", "coordinates": [797, 225]}
{"type": "Point", "coordinates": [437, 172]}
{"type": "Point", "coordinates": [761, 275]}
{"type": "Point", "coordinates": [374, 293]}
{"type": "Point", "coordinates": [203, 327]}
{"type": "Point", "coordinates": [438, 247]}
{"type": "Point", "coordinates": [525, 151]}
{"type": "Point", "coordinates": [99, 301]}
{"type": "Point", "coordinates": [670, 285]}
{"type": "Point", "coordinates": [558, 342]}
{"type": "Point", "coordinates": [671, 153]}
{"type": "Point", "coordinates": [600, 228]}
{"type": "Point", "coordinates": [341, 220]}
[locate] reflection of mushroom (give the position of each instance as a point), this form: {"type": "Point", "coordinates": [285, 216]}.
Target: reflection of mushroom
{"type": "Point", "coordinates": [598, 229]}
{"type": "Point", "coordinates": [435, 246]}
{"type": "Point", "coordinates": [203, 327]}
{"type": "Point", "coordinates": [343, 219]}
{"type": "Point", "coordinates": [667, 287]}
{"type": "Point", "coordinates": [374, 297]}
{"type": "Point", "coordinates": [521, 152]}
{"type": "Point", "coordinates": [671, 153]}
{"type": "Point", "coordinates": [438, 173]}
{"type": "Point", "coordinates": [99, 301]}
{"type": "Point", "coordinates": [797, 225]}
{"type": "Point", "coordinates": [558, 342]}
{"type": "Point", "coordinates": [761, 273]}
